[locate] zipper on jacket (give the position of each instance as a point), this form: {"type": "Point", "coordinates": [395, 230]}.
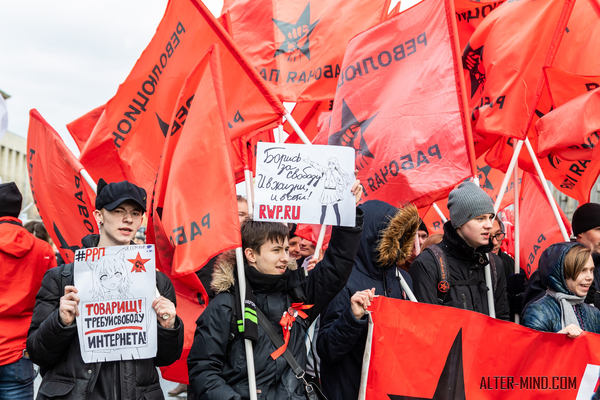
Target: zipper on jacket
{"type": "Point", "coordinates": [114, 381]}
{"type": "Point", "coordinates": [464, 302]}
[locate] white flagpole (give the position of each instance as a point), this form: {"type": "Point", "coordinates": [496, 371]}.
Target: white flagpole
{"type": "Point", "coordinates": [89, 180]}
{"type": "Point", "coordinates": [551, 200]}
{"type": "Point", "coordinates": [247, 342]}
{"type": "Point", "coordinates": [249, 191]}
{"type": "Point", "coordinates": [296, 127]}
{"type": "Point", "coordinates": [511, 168]}
{"type": "Point", "coordinates": [517, 229]}
{"type": "Point", "coordinates": [440, 213]}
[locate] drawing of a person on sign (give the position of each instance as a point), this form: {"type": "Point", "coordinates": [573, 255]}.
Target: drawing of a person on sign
{"type": "Point", "coordinates": [110, 278]}
{"type": "Point", "coordinates": [335, 181]}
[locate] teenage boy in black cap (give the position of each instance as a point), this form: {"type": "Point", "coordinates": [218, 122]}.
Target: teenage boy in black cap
{"type": "Point", "coordinates": [53, 343]}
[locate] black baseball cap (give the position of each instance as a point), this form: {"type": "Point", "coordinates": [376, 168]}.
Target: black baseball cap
{"type": "Point", "coordinates": [111, 195]}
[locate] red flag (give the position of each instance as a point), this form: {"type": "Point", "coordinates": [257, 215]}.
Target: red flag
{"type": "Point", "coordinates": [394, 11]}
{"type": "Point", "coordinates": [490, 180]}
{"type": "Point", "coordinates": [81, 129]}
{"type": "Point", "coordinates": [394, 77]}
{"type": "Point", "coordinates": [298, 45]}
{"type": "Point", "coordinates": [199, 226]}
{"type": "Point", "coordinates": [424, 351]}
{"type": "Point", "coordinates": [128, 138]}
{"type": "Point", "coordinates": [243, 153]}
{"type": "Point", "coordinates": [504, 77]}
{"type": "Point", "coordinates": [570, 131]}
{"type": "Point", "coordinates": [564, 86]}
{"type": "Point", "coordinates": [433, 221]}
{"type": "Point", "coordinates": [307, 115]}
{"type": "Point", "coordinates": [59, 191]}
{"type": "Point", "coordinates": [469, 14]}
{"type": "Point", "coordinates": [538, 227]}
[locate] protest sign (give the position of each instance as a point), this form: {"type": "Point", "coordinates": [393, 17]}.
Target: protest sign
{"type": "Point", "coordinates": [308, 184]}
{"type": "Point", "coordinates": [116, 286]}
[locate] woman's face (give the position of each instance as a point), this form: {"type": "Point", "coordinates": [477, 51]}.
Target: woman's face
{"type": "Point", "coordinates": [111, 280]}
{"type": "Point", "coordinates": [581, 285]}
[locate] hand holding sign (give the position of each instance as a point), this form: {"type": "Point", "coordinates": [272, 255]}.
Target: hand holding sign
{"type": "Point", "coordinates": [164, 307]}
{"type": "Point", "coordinates": [69, 304]}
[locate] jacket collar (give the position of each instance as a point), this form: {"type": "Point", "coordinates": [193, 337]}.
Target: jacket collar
{"type": "Point", "coordinates": [458, 248]}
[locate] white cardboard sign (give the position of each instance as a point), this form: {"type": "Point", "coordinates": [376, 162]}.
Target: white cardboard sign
{"type": "Point", "coordinates": [116, 286]}
{"type": "Point", "coordinates": [304, 184]}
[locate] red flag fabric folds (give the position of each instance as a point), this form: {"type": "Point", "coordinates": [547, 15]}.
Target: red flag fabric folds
{"type": "Point", "coordinates": [469, 14]}
{"type": "Point", "coordinates": [398, 105]}
{"type": "Point", "coordinates": [194, 163]}
{"type": "Point", "coordinates": [538, 227]}
{"type": "Point", "coordinates": [298, 45]}
{"type": "Point", "coordinates": [503, 63]}
{"type": "Point", "coordinates": [458, 354]}
{"type": "Point", "coordinates": [128, 138]}
{"type": "Point", "coordinates": [63, 198]}
{"type": "Point", "coordinates": [81, 129]}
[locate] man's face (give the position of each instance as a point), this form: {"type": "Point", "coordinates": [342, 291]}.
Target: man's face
{"type": "Point", "coordinates": [242, 210]}
{"type": "Point", "coordinates": [307, 248]}
{"type": "Point", "coordinates": [496, 233]}
{"type": "Point", "coordinates": [591, 239]}
{"type": "Point", "coordinates": [273, 257]}
{"type": "Point", "coordinates": [295, 247]}
{"type": "Point", "coordinates": [476, 232]}
{"type": "Point", "coordinates": [422, 236]}
{"type": "Point", "coordinates": [119, 226]}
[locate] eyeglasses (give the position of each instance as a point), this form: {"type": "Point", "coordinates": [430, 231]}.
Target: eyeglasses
{"type": "Point", "coordinates": [499, 236]}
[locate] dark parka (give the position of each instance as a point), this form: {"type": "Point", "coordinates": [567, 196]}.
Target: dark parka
{"type": "Point", "coordinates": [217, 366]}
{"type": "Point", "coordinates": [387, 239]}
{"type": "Point", "coordinates": [544, 314]}
{"type": "Point", "coordinates": [465, 263]}
{"type": "Point", "coordinates": [55, 348]}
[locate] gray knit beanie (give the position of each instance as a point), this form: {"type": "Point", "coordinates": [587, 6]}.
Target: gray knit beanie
{"type": "Point", "coordinates": [468, 201]}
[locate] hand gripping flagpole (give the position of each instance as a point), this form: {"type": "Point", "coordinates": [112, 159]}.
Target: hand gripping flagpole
{"type": "Point", "coordinates": [247, 342]}
{"type": "Point", "coordinates": [540, 173]}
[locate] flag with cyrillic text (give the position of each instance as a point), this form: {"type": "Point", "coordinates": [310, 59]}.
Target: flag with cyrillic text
{"type": "Point", "coordinates": [398, 104]}
{"type": "Point", "coordinates": [128, 139]}
{"type": "Point", "coordinates": [63, 198]}
{"type": "Point", "coordinates": [469, 14]}
{"type": "Point", "coordinates": [198, 211]}
{"type": "Point", "coordinates": [460, 354]}
{"type": "Point", "coordinates": [503, 65]}
{"type": "Point", "coordinates": [297, 46]}
{"type": "Point", "coordinates": [538, 227]}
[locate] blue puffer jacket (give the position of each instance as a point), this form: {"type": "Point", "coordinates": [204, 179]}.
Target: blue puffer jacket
{"type": "Point", "coordinates": [544, 314]}
{"type": "Point", "coordinates": [387, 239]}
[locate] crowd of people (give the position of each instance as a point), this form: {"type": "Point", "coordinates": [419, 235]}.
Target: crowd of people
{"type": "Point", "coordinates": [320, 300]}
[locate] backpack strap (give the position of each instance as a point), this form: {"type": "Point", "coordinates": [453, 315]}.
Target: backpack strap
{"type": "Point", "coordinates": [66, 278]}
{"type": "Point", "coordinates": [494, 271]}
{"type": "Point", "coordinates": [443, 286]}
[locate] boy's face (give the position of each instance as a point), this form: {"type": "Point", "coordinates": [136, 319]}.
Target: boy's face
{"type": "Point", "coordinates": [119, 226]}
{"type": "Point", "coordinates": [476, 232]}
{"type": "Point", "coordinates": [273, 257]}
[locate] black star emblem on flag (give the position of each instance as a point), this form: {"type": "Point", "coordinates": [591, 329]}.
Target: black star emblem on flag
{"type": "Point", "coordinates": [473, 62]}
{"type": "Point", "coordinates": [352, 135]}
{"type": "Point", "coordinates": [296, 35]}
{"type": "Point", "coordinates": [451, 384]}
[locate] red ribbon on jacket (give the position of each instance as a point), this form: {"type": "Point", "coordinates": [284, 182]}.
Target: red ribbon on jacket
{"type": "Point", "coordinates": [286, 322]}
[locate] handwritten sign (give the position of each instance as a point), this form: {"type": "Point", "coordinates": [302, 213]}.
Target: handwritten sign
{"type": "Point", "coordinates": [304, 183]}
{"type": "Point", "coordinates": [117, 286]}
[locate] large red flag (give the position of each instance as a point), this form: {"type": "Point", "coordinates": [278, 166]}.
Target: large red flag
{"type": "Point", "coordinates": [298, 45]}
{"type": "Point", "coordinates": [64, 200]}
{"type": "Point", "coordinates": [423, 351]}
{"type": "Point", "coordinates": [198, 210]}
{"type": "Point", "coordinates": [538, 227]}
{"type": "Point", "coordinates": [127, 140]}
{"type": "Point", "coordinates": [503, 63]}
{"type": "Point", "coordinates": [307, 115]}
{"type": "Point", "coordinates": [399, 106]}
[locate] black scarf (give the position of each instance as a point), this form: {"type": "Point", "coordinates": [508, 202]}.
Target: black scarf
{"type": "Point", "coordinates": [261, 283]}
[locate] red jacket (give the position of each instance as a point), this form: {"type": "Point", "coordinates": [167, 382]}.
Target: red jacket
{"type": "Point", "coordinates": [24, 259]}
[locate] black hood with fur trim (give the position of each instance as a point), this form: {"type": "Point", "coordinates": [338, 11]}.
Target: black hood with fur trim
{"type": "Point", "coordinates": [388, 236]}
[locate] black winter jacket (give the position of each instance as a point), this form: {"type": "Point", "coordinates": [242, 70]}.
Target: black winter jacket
{"type": "Point", "coordinates": [464, 263]}
{"type": "Point", "coordinates": [55, 348]}
{"type": "Point", "coordinates": [217, 366]}
{"type": "Point", "coordinates": [342, 337]}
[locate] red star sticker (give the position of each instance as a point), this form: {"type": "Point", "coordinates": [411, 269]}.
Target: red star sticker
{"type": "Point", "coordinates": [138, 263]}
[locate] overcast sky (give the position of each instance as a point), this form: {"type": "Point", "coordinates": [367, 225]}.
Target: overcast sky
{"type": "Point", "coordinates": [66, 57]}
